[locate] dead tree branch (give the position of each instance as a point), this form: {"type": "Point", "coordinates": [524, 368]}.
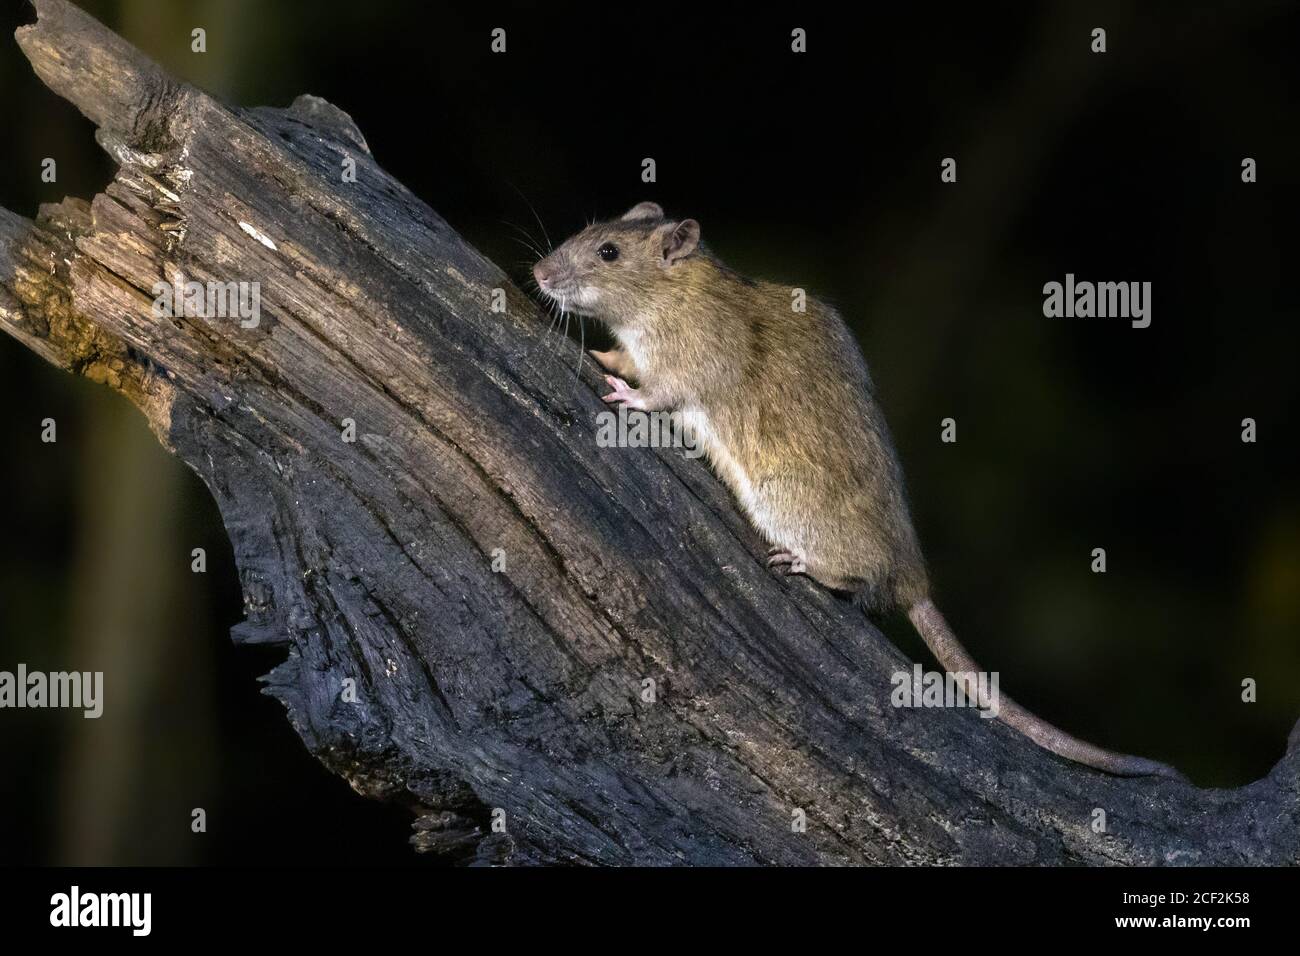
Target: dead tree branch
{"type": "Point", "coordinates": [520, 689]}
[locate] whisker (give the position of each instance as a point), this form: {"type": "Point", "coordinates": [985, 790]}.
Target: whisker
{"type": "Point", "coordinates": [582, 348]}
{"type": "Point", "coordinates": [530, 247]}
{"type": "Point", "coordinates": [557, 312]}
{"type": "Point", "coordinates": [533, 210]}
{"type": "Point", "coordinates": [551, 309]}
{"type": "Point", "coordinates": [528, 240]}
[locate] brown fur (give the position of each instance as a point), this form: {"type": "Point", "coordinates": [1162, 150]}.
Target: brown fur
{"type": "Point", "coordinates": [782, 400]}
{"type": "Point", "coordinates": [787, 413]}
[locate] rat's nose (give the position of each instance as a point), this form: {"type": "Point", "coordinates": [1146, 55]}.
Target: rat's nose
{"type": "Point", "coordinates": [542, 274]}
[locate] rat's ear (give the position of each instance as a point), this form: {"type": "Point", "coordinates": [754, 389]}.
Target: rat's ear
{"type": "Point", "coordinates": [644, 210]}
{"type": "Point", "coordinates": [681, 241]}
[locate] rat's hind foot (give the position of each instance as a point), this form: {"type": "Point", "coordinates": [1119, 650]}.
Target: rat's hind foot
{"type": "Point", "coordinates": [624, 394]}
{"type": "Point", "coordinates": [794, 561]}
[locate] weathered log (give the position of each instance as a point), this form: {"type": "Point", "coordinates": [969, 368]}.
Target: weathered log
{"type": "Point", "coordinates": [518, 689]}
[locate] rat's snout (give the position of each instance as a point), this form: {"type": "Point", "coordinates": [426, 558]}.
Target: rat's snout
{"type": "Point", "coordinates": [544, 273]}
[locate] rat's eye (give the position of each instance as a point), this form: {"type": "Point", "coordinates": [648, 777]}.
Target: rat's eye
{"type": "Point", "coordinates": [608, 252]}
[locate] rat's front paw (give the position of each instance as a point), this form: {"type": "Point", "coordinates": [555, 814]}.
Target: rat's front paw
{"type": "Point", "coordinates": [624, 394]}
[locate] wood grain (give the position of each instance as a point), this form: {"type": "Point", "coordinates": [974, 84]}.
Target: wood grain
{"type": "Point", "coordinates": [518, 690]}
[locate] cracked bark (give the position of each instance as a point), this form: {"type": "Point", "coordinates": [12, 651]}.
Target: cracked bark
{"type": "Point", "coordinates": [519, 690]}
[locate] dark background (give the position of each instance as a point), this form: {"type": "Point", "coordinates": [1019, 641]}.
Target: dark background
{"type": "Point", "coordinates": [820, 170]}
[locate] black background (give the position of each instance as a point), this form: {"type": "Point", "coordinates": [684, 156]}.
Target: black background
{"type": "Point", "coordinates": [820, 170]}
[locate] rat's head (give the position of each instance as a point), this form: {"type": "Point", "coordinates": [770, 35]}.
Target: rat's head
{"type": "Point", "coordinates": [614, 270]}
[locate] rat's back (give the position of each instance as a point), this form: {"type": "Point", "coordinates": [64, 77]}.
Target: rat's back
{"type": "Point", "coordinates": [822, 477]}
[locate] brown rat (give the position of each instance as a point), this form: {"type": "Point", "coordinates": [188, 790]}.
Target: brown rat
{"type": "Point", "coordinates": [784, 406]}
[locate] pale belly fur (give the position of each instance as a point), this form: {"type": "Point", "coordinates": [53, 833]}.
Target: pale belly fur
{"type": "Point", "coordinates": [756, 504]}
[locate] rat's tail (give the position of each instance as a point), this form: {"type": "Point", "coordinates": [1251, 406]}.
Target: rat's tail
{"type": "Point", "coordinates": [943, 644]}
